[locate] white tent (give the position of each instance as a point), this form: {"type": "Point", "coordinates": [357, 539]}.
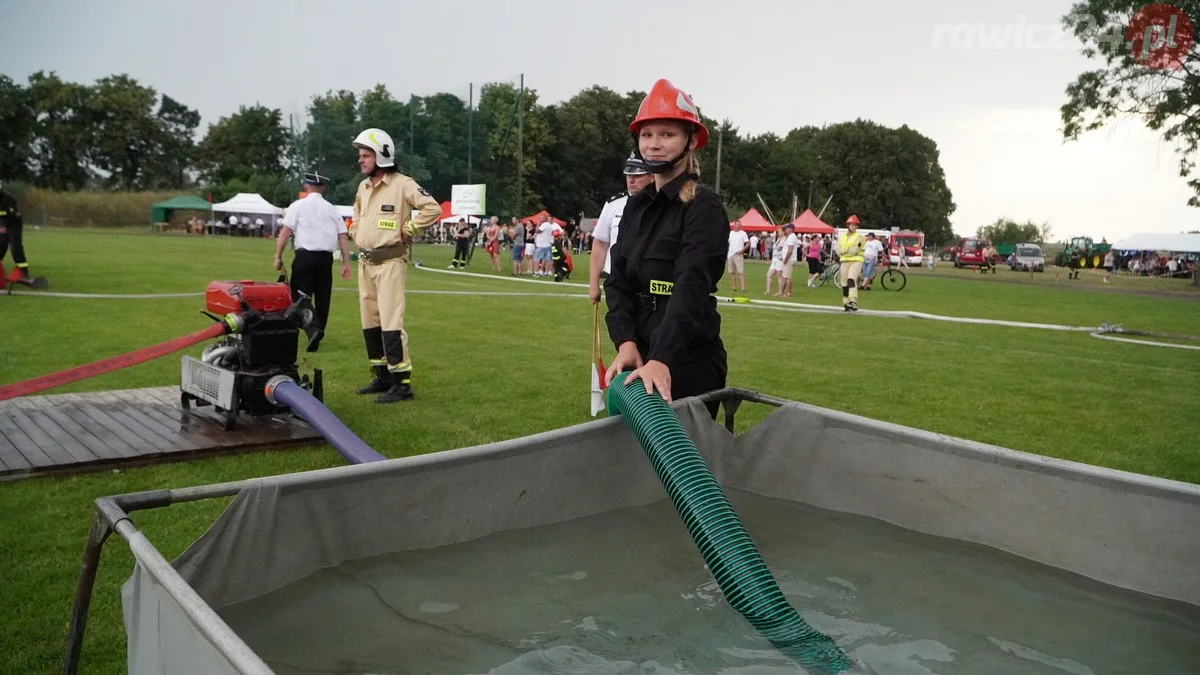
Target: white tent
{"type": "Point", "coordinates": [1145, 241]}
{"type": "Point", "coordinates": [248, 202]}
{"type": "Point", "coordinates": [345, 211]}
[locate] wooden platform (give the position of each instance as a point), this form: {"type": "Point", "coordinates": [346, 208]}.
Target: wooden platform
{"type": "Point", "coordinates": [71, 433]}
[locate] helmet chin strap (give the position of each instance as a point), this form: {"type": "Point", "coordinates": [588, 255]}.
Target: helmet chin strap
{"type": "Point", "coordinates": [664, 166]}
{"type": "Point", "coordinates": [381, 170]}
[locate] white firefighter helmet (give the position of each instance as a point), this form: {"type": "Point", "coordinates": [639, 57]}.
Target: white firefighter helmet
{"type": "Point", "coordinates": [379, 141]}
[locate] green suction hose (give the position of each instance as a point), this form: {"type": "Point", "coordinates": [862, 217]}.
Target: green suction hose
{"type": "Point", "coordinates": [731, 555]}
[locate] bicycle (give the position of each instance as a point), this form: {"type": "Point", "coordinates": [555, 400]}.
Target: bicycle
{"type": "Point", "coordinates": [891, 279]}
{"type": "Point", "coordinates": [828, 275]}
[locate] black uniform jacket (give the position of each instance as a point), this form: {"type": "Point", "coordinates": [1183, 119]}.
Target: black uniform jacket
{"type": "Point", "coordinates": [665, 268]}
{"type": "Point", "coordinates": [10, 212]}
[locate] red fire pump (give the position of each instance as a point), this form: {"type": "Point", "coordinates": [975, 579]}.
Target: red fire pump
{"type": "Point", "coordinates": [263, 327]}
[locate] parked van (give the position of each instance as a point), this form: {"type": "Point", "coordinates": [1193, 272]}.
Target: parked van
{"type": "Point", "coordinates": [970, 253]}
{"type": "Point", "coordinates": [1028, 258]}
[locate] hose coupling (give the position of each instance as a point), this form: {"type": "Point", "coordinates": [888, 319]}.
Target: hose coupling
{"type": "Point", "coordinates": [269, 390]}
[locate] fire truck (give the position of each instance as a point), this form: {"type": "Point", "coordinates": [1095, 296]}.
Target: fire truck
{"type": "Point", "coordinates": [912, 243]}
{"type": "Point", "coordinates": [908, 243]}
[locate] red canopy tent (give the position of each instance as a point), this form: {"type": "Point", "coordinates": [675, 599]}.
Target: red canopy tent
{"type": "Point", "coordinates": [810, 223]}
{"type": "Point", "coordinates": [752, 221]}
{"type": "Point", "coordinates": [536, 218]}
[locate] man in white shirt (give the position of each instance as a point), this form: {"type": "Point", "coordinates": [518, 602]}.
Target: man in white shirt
{"type": "Point", "coordinates": [604, 236]}
{"type": "Point", "coordinates": [318, 229]}
{"type": "Point", "coordinates": [775, 270]}
{"type": "Point", "coordinates": [754, 246]}
{"type": "Point", "coordinates": [791, 247]}
{"type": "Point", "coordinates": [870, 257]}
{"type": "Point", "coordinates": [739, 241]}
{"type": "Point", "coordinates": [542, 242]}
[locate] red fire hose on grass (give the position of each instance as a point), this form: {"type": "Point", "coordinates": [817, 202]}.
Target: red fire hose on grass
{"type": "Point", "coordinates": [110, 364]}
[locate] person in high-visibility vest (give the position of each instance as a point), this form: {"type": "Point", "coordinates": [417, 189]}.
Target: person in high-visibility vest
{"type": "Point", "coordinates": [850, 246]}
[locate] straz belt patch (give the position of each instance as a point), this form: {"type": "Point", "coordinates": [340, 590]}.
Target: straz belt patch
{"type": "Point", "coordinates": [387, 225]}
{"type": "Point", "coordinates": [661, 287]}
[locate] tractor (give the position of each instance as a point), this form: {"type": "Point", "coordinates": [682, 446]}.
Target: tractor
{"type": "Point", "coordinates": [1082, 253]}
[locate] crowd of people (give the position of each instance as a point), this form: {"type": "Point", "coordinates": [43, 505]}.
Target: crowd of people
{"type": "Point", "coordinates": [236, 225]}
{"type": "Point", "coordinates": [525, 244]}
{"type": "Point", "coordinates": [1151, 264]}
{"type": "Point", "coordinates": [856, 254]}
{"type": "Point", "coordinates": [534, 248]}
{"type": "Point", "coordinates": [537, 247]}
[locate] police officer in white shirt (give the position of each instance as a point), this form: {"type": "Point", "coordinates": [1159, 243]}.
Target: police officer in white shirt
{"type": "Point", "coordinates": [604, 236]}
{"type": "Point", "coordinates": [318, 229]}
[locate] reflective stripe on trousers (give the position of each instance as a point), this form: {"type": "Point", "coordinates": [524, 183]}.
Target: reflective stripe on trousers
{"type": "Point", "coordinates": [381, 305]}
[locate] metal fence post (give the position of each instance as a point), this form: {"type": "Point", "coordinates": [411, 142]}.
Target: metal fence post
{"type": "Point", "coordinates": [83, 592]}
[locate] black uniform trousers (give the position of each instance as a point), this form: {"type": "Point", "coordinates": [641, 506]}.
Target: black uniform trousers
{"type": "Point", "coordinates": [462, 251]}
{"type": "Point", "coordinates": [701, 370]}
{"type": "Point", "coordinates": [12, 233]}
{"type": "Point", "coordinates": [312, 274]}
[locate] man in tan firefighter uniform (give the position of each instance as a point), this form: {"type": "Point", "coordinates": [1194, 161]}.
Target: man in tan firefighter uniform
{"type": "Point", "coordinates": [389, 210]}
{"type": "Point", "coordinates": [850, 245]}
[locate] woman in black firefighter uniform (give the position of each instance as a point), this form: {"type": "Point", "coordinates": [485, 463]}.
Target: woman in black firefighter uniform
{"type": "Point", "coordinates": [462, 244]}
{"type": "Point", "coordinates": [11, 232]}
{"type": "Point", "coordinates": [662, 315]}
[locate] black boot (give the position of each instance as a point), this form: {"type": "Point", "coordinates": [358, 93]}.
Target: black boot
{"type": "Point", "coordinates": [380, 384]}
{"type": "Point", "coordinates": [315, 335]}
{"type": "Point", "coordinates": [401, 389]}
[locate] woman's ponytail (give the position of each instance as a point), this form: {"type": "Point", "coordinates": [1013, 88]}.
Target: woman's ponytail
{"type": "Point", "coordinates": [689, 188]}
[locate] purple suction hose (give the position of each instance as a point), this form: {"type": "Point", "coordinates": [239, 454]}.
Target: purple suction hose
{"type": "Point", "coordinates": [308, 408]}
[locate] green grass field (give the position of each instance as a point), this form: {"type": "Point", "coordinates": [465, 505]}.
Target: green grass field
{"type": "Point", "coordinates": [493, 367]}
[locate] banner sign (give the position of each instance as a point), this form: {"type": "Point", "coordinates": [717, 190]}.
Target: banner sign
{"type": "Point", "coordinates": [468, 200]}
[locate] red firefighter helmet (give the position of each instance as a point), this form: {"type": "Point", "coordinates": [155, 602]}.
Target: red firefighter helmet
{"type": "Point", "coordinates": [668, 102]}
{"type": "Point", "coordinates": [852, 220]}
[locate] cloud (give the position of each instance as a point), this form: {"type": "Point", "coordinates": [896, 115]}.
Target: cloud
{"type": "Point", "coordinates": [1014, 163]}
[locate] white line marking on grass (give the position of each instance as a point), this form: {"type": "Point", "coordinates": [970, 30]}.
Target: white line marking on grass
{"type": "Point", "coordinates": [1093, 331]}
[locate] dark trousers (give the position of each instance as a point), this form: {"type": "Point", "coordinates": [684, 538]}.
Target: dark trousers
{"type": "Point", "coordinates": [12, 233]}
{"type": "Point", "coordinates": [706, 371]}
{"type": "Point", "coordinates": [462, 250]}
{"type": "Point", "coordinates": [312, 274]}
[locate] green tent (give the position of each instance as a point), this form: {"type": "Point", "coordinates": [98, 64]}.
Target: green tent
{"type": "Point", "coordinates": [161, 212]}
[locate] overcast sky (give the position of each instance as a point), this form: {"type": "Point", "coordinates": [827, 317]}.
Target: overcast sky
{"type": "Point", "coordinates": [990, 103]}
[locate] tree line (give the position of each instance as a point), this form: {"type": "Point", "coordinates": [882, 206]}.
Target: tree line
{"type": "Point", "coordinates": [118, 134]}
{"type": "Point", "coordinates": [1009, 231]}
